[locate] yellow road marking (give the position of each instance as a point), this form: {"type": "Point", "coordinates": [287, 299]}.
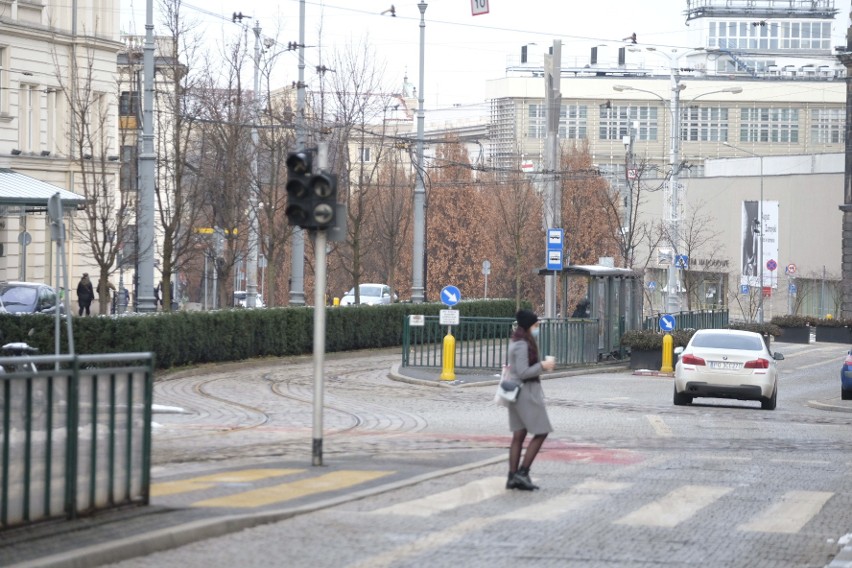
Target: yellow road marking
{"type": "Point", "coordinates": [208, 481]}
{"type": "Point", "coordinates": [293, 490]}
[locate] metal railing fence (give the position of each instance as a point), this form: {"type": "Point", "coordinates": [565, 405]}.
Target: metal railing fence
{"type": "Point", "coordinates": [701, 319]}
{"type": "Point", "coordinates": [75, 436]}
{"type": "Point", "coordinates": [483, 343]}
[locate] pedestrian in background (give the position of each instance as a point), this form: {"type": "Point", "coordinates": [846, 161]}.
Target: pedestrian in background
{"type": "Point", "coordinates": [528, 415]}
{"type": "Point", "coordinates": [85, 293]}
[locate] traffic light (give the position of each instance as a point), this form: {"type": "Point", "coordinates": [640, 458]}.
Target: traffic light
{"type": "Point", "coordinates": [299, 198]}
{"type": "Point", "coordinates": [310, 198]}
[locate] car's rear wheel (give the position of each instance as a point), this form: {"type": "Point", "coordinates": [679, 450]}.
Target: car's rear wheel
{"type": "Point", "coordinates": [681, 399]}
{"type": "Point", "coordinates": [770, 403]}
{"type": "Point", "coordinates": [846, 394]}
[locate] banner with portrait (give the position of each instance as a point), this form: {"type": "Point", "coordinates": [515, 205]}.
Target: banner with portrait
{"type": "Point", "coordinates": [756, 232]}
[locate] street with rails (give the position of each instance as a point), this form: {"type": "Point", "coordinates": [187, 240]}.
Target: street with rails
{"type": "Point", "coordinates": [627, 478]}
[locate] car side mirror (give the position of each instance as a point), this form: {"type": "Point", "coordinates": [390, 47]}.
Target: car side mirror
{"type": "Point", "coordinates": [678, 350]}
{"type": "Point", "coordinates": [778, 356]}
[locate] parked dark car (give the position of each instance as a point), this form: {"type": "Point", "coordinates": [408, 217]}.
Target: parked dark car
{"type": "Point", "coordinates": [846, 378]}
{"type": "Point", "coordinates": [27, 298]}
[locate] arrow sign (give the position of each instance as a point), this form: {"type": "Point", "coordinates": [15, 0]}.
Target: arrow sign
{"type": "Point", "coordinates": [450, 295]}
{"type": "Point", "coordinates": [667, 322]}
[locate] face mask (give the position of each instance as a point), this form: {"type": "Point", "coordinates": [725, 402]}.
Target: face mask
{"type": "Point", "coordinates": [535, 333]}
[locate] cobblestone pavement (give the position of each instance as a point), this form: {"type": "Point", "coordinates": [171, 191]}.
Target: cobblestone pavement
{"type": "Point", "coordinates": [627, 478]}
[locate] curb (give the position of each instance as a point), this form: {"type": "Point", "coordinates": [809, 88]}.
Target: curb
{"type": "Point", "coordinates": [180, 535]}
{"type": "Point", "coordinates": [396, 375]}
{"type": "Point", "coordinates": [831, 407]}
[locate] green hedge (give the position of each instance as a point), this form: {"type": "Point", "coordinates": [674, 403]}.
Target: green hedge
{"type": "Point", "coordinates": [188, 338]}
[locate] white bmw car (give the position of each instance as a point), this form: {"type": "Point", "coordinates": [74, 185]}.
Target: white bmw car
{"type": "Point", "coordinates": [726, 363]}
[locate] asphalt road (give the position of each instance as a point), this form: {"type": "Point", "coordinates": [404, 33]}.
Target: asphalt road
{"type": "Point", "coordinates": [627, 478]}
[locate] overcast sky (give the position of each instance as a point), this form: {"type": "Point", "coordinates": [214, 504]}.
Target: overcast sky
{"type": "Point", "coordinates": [462, 50]}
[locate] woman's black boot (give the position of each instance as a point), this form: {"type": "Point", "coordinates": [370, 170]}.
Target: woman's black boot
{"type": "Point", "coordinates": [523, 481]}
{"type": "Point", "coordinates": [511, 483]}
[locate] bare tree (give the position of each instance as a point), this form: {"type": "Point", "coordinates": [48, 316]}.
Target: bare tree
{"type": "Point", "coordinates": [177, 181]}
{"type": "Point", "coordinates": [108, 217]}
{"type": "Point", "coordinates": [698, 236]}
{"type": "Point", "coordinates": [360, 104]}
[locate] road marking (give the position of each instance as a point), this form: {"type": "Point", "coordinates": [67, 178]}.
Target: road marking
{"type": "Point", "coordinates": [676, 507]}
{"type": "Point", "coordinates": [207, 481]}
{"type": "Point", "coordinates": [433, 540]}
{"type": "Point", "coordinates": [293, 490]}
{"type": "Point", "coordinates": [659, 426]}
{"type": "Point", "coordinates": [789, 515]}
{"type": "Point", "coordinates": [469, 494]}
{"type": "Point", "coordinates": [577, 497]}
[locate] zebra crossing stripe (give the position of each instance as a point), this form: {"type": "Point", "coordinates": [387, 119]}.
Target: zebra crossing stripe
{"type": "Point", "coordinates": [431, 541]}
{"type": "Point", "coordinates": [207, 481]}
{"type": "Point", "coordinates": [293, 490]}
{"type": "Point", "coordinates": [577, 497]}
{"type": "Point", "coordinates": [676, 507]}
{"type": "Point", "coordinates": [468, 494]}
{"type": "Point", "coordinates": [789, 515]}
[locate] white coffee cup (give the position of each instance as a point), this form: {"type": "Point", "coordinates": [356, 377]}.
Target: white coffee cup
{"type": "Point", "coordinates": [550, 358]}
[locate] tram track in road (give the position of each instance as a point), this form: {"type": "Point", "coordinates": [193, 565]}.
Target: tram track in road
{"type": "Point", "coordinates": [267, 410]}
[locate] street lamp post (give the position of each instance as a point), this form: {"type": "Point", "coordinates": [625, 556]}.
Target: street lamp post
{"type": "Point", "coordinates": [418, 254]}
{"type": "Point", "coordinates": [758, 228]}
{"type": "Point", "coordinates": [672, 212]}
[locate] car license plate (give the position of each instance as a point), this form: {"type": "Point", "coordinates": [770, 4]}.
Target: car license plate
{"type": "Point", "coordinates": [728, 365]}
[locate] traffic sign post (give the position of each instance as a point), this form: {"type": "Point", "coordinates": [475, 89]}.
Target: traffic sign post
{"type": "Point", "coordinates": [667, 322]}
{"type": "Point", "coordinates": [450, 296]}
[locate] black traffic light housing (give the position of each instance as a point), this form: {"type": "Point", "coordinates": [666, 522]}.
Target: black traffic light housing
{"type": "Point", "coordinates": [311, 197]}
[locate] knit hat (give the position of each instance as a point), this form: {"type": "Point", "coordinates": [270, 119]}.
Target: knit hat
{"type": "Point", "coordinates": [526, 319]}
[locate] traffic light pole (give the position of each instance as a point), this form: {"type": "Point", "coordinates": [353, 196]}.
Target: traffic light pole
{"type": "Point", "coordinates": [319, 343]}
{"type": "Point", "coordinates": [320, 238]}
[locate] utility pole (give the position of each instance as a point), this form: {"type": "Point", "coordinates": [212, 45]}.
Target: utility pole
{"type": "Point", "coordinates": [297, 262]}
{"type": "Point", "coordinates": [145, 208]}
{"type": "Point", "coordinates": [553, 193]}
{"type": "Point", "coordinates": [846, 207]}
{"type": "Point", "coordinates": [673, 212]}
{"type": "Point", "coordinates": [418, 288]}
{"type": "Point", "coordinates": [254, 228]}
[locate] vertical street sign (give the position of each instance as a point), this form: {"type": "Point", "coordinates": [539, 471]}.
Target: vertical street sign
{"type": "Point", "coordinates": [554, 249]}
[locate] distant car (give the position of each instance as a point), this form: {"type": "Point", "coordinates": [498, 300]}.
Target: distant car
{"type": "Point", "coordinates": [370, 295]}
{"type": "Point", "coordinates": [726, 363]}
{"type": "Point", "coordinates": [846, 378]}
{"type": "Point", "coordinates": [28, 298]}
{"type": "Point", "coordinates": [240, 300]}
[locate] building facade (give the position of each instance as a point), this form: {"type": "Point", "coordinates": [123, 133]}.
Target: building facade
{"type": "Point", "coordinates": [58, 122]}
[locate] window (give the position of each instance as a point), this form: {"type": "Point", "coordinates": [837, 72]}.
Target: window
{"type": "Point", "coordinates": [128, 104]}
{"type": "Point", "coordinates": [128, 172]}
{"type": "Point", "coordinates": [4, 81]}
{"type": "Point", "coordinates": [572, 121]}
{"type": "Point", "coordinates": [769, 125]}
{"type": "Point", "coordinates": [738, 36]}
{"type": "Point", "coordinates": [615, 122]}
{"type": "Point", "coordinates": [364, 154]}
{"type": "Point", "coordinates": [704, 124]}
{"type": "Point", "coordinates": [537, 126]}
{"type": "Point", "coordinates": [828, 125]}
{"type": "Point", "coordinates": [28, 117]}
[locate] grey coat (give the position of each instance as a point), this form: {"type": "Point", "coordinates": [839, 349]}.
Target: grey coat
{"type": "Point", "coordinates": [529, 411]}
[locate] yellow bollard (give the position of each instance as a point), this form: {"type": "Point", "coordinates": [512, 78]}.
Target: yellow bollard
{"type": "Point", "coordinates": [448, 371]}
{"type": "Point", "coordinates": [335, 301]}
{"type": "Point", "coordinates": [668, 353]}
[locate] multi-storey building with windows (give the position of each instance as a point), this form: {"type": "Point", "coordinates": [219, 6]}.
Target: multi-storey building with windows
{"type": "Point", "coordinates": [762, 79]}
{"type": "Point", "coordinates": [57, 121]}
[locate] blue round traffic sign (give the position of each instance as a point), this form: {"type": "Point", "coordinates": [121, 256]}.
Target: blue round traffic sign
{"type": "Point", "coordinates": [450, 295]}
{"type": "Point", "coordinates": [667, 322]}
